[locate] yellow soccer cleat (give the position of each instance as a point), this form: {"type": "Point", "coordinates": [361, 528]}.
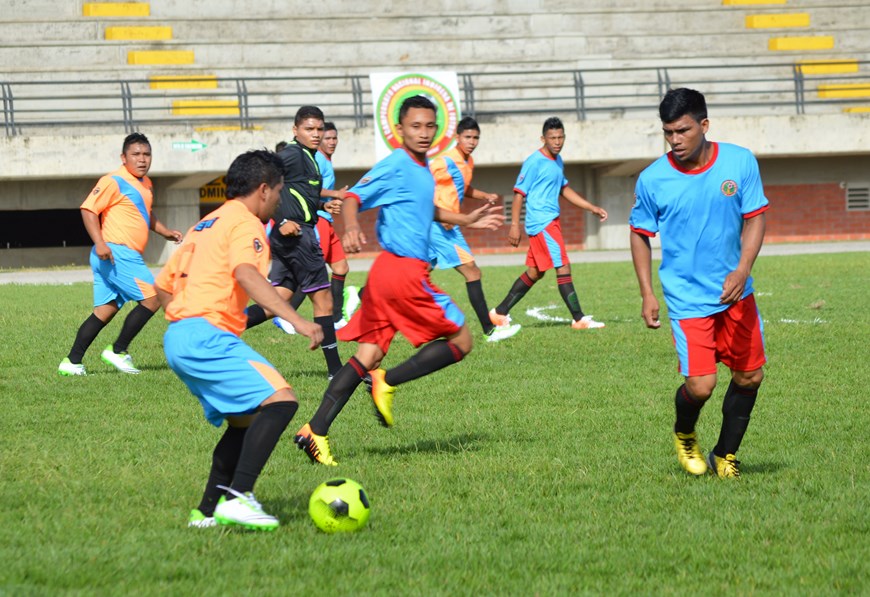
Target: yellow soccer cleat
{"type": "Point", "coordinates": [382, 395]}
{"type": "Point", "coordinates": [316, 447]}
{"type": "Point", "coordinates": [725, 468]}
{"type": "Point", "coordinates": [689, 454]}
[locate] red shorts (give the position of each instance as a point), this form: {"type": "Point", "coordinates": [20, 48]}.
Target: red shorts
{"type": "Point", "coordinates": [734, 337]}
{"type": "Point", "coordinates": [547, 249]}
{"type": "Point", "coordinates": [330, 244]}
{"type": "Point", "coordinates": [400, 297]}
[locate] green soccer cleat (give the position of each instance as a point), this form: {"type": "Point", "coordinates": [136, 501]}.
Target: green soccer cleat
{"type": "Point", "coordinates": [725, 468]}
{"type": "Point", "coordinates": [350, 303]}
{"type": "Point", "coordinates": [503, 333]}
{"type": "Point", "coordinates": [382, 395]}
{"type": "Point", "coordinates": [198, 520]}
{"type": "Point", "coordinates": [69, 369]}
{"type": "Point", "coordinates": [245, 511]}
{"type": "Point", "coordinates": [689, 454]}
{"type": "Point", "coordinates": [121, 361]}
{"type": "Point", "coordinates": [316, 447]}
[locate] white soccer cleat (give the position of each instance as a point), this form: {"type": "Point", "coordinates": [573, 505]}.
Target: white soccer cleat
{"type": "Point", "coordinates": [121, 361]}
{"type": "Point", "coordinates": [284, 325]}
{"type": "Point", "coordinates": [499, 321]}
{"type": "Point", "coordinates": [244, 510]}
{"type": "Point", "coordinates": [503, 332]}
{"type": "Point", "coordinates": [586, 323]}
{"type": "Point", "coordinates": [198, 520]}
{"type": "Point", "coordinates": [68, 368]}
{"type": "Point", "coordinates": [351, 301]}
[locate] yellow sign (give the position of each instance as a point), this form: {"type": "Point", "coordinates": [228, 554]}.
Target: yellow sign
{"type": "Point", "coordinates": [213, 192]}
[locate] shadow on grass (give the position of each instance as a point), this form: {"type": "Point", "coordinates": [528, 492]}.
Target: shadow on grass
{"type": "Point", "coordinates": [454, 445]}
{"type": "Point", "coordinates": [769, 467]}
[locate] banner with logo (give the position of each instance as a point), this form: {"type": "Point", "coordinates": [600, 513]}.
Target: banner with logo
{"type": "Point", "coordinates": [389, 90]}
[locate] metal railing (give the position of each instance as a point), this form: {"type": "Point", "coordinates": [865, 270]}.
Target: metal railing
{"type": "Point", "coordinates": [586, 93]}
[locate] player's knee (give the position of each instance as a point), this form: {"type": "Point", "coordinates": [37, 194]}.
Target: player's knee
{"type": "Point", "coordinates": [340, 268]}
{"type": "Point", "coordinates": [152, 303]}
{"type": "Point", "coordinates": [748, 379]}
{"type": "Point", "coordinates": [471, 272]}
{"type": "Point", "coordinates": [701, 388]}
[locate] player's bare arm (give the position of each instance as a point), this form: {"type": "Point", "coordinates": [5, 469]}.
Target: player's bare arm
{"type": "Point", "coordinates": [167, 233]}
{"type": "Point", "coordinates": [484, 217]}
{"type": "Point", "coordinates": [353, 239]}
{"type": "Point", "coordinates": [262, 293]}
{"type": "Point", "coordinates": [474, 193]}
{"type": "Point", "coordinates": [95, 231]}
{"type": "Point", "coordinates": [751, 240]}
{"type": "Point", "coordinates": [334, 194]}
{"type": "Point", "coordinates": [641, 256]}
{"type": "Point", "coordinates": [577, 199]}
{"type": "Point", "coordinates": [514, 233]}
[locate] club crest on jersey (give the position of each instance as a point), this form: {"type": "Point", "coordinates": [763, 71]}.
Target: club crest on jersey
{"type": "Point", "coordinates": [258, 246]}
{"type": "Point", "coordinates": [729, 188]}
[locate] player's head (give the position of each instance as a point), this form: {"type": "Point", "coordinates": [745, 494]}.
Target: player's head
{"type": "Point", "coordinates": [258, 176]}
{"type": "Point", "coordinates": [330, 139]}
{"type": "Point", "coordinates": [136, 154]}
{"type": "Point", "coordinates": [418, 124]}
{"type": "Point", "coordinates": [467, 135]}
{"type": "Point", "coordinates": [553, 136]}
{"type": "Point", "coordinates": [684, 122]}
{"type": "Point", "coordinates": [280, 145]}
{"type": "Point", "coordinates": [308, 126]}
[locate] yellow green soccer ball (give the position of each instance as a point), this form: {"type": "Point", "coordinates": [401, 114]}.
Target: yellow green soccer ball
{"type": "Point", "coordinates": [339, 505]}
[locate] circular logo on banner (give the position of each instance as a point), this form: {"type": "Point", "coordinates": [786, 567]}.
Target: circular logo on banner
{"type": "Point", "coordinates": [405, 86]}
{"type": "Point", "coordinates": [729, 188]}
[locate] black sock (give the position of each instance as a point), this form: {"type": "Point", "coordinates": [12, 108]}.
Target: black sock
{"type": "Point", "coordinates": [223, 465]}
{"type": "Point", "coordinates": [478, 303]}
{"type": "Point", "coordinates": [133, 324]}
{"type": "Point", "coordinates": [256, 316]}
{"type": "Point", "coordinates": [260, 440]}
{"type": "Point", "coordinates": [522, 285]}
{"type": "Point", "coordinates": [432, 357]}
{"type": "Point", "coordinates": [569, 295]}
{"type": "Point", "coordinates": [337, 288]}
{"type": "Point", "coordinates": [329, 346]}
{"type": "Point", "coordinates": [86, 335]}
{"type": "Point", "coordinates": [339, 391]}
{"type": "Point", "coordinates": [688, 410]}
{"type": "Point", "coordinates": [736, 409]}
{"type": "Point", "coordinates": [297, 299]}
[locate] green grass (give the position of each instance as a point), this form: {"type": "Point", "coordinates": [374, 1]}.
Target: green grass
{"type": "Point", "coordinates": [540, 465]}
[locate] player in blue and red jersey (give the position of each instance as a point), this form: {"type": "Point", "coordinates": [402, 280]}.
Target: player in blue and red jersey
{"type": "Point", "coordinates": [542, 183]}
{"type": "Point", "coordinates": [117, 215]}
{"type": "Point", "coordinates": [399, 295]}
{"type": "Point", "coordinates": [453, 171]}
{"type": "Point", "coordinates": [707, 201]}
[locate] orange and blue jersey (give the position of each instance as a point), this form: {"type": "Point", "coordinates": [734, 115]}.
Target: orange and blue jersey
{"type": "Point", "coordinates": [123, 203]}
{"type": "Point", "coordinates": [404, 189]}
{"type": "Point", "coordinates": [452, 173]}
{"type": "Point", "coordinates": [541, 181]}
{"type": "Point", "coordinates": [199, 274]}
{"type": "Point", "coordinates": [700, 215]}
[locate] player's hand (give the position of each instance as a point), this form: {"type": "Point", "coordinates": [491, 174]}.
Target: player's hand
{"type": "Point", "coordinates": [650, 312]}
{"type": "Point", "coordinates": [353, 240]}
{"type": "Point", "coordinates": [493, 198]}
{"type": "Point", "coordinates": [174, 235]}
{"type": "Point", "coordinates": [333, 206]}
{"type": "Point", "coordinates": [601, 213]}
{"type": "Point", "coordinates": [488, 217]}
{"type": "Point", "coordinates": [310, 330]}
{"type": "Point", "coordinates": [104, 252]}
{"type": "Point", "coordinates": [514, 235]}
{"type": "Point", "coordinates": [733, 287]}
{"type": "Point", "coordinates": [290, 228]}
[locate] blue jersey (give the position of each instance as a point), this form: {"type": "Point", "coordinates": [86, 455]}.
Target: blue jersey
{"type": "Point", "coordinates": [405, 191]}
{"type": "Point", "coordinates": [541, 181]}
{"type": "Point", "coordinates": [327, 172]}
{"type": "Point", "coordinates": [700, 215]}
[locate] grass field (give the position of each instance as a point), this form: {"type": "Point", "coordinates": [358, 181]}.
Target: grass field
{"type": "Point", "coordinates": [541, 465]}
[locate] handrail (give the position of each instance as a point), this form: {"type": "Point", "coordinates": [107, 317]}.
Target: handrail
{"type": "Point", "coordinates": [587, 93]}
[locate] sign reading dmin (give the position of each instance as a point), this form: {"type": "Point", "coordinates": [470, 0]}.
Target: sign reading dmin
{"type": "Point", "coordinates": [214, 191]}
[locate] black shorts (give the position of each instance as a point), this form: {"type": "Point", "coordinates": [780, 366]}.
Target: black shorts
{"type": "Point", "coordinates": [297, 262]}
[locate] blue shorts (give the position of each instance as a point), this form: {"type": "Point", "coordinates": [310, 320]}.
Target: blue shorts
{"type": "Point", "coordinates": [448, 248]}
{"type": "Point", "coordinates": [128, 279]}
{"type": "Point", "coordinates": [228, 376]}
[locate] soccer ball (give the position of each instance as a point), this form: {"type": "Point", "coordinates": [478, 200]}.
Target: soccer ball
{"type": "Point", "coordinates": [339, 505]}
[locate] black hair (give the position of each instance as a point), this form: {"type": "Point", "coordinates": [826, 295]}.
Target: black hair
{"type": "Point", "coordinates": [416, 101]}
{"type": "Point", "coordinates": [250, 170]}
{"type": "Point", "coordinates": [679, 102]}
{"type": "Point", "coordinates": [467, 124]}
{"type": "Point", "coordinates": [329, 126]}
{"type": "Point", "coordinates": [134, 138]}
{"type": "Point", "coordinates": [552, 124]}
{"type": "Point", "coordinates": [306, 112]}
{"type": "Point", "coordinates": [280, 145]}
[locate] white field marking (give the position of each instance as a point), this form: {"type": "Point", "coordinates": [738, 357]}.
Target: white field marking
{"type": "Point", "coordinates": [763, 294]}
{"type": "Point", "coordinates": [815, 321]}
{"type": "Point", "coordinates": [538, 313]}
